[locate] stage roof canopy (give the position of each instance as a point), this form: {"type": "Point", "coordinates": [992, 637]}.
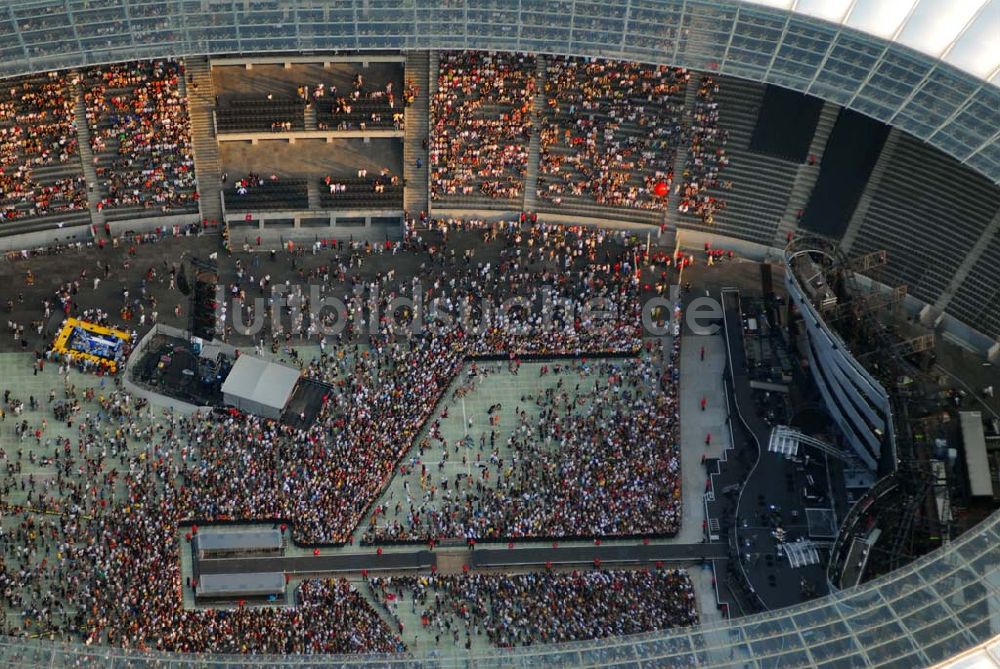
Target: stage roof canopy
{"type": "Point", "coordinates": [235, 541]}
{"type": "Point", "coordinates": [257, 386]}
{"type": "Point", "coordinates": [241, 585]}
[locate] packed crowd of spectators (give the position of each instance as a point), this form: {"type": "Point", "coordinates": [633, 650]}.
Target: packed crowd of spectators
{"type": "Point", "coordinates": [541, 607]}
{"type": "Point", "coordinates": [610, 131]}
{"type": "Point", "coordinates": [102, 569]}
{"type": "Point", "coordinates": [382, 397]}
{"type": "Point", "coordinates": [480, 119]}
{"type": "Point", "coordinates": [561, 472]}
{"type": "Point", "coordinates": [706, 156]}
{"type": "Point", "coordinates": [37, 131]}
{"type": "Point", "coordinates": [140, 135]}
{"type": "Point", "coordinates": [90, 549]}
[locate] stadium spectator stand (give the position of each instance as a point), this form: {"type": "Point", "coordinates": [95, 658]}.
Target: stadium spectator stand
{"type": "Point", "coordinates": [383, 191]}
{"type": "Point", "coordinates": [923, 196]}
{"type": "Point", "coordinates": [40, 174]}
{"type": "Point", "coordinates": [362, 114]}
{"type": "Point", "coordinates": [786, 124]}
{"type": "Point", "coordinates": [140, 138]}
{"type": "Point", "coordinates": [851, 153]}
{"type": "Point", "coordinates": [977, 300]}
{"type": "Point", "coordinates": [747, 196]}
{"type": "Point", "coordinates": [610, 131]}
{"type": "Point", "coordinates": [481, 128]}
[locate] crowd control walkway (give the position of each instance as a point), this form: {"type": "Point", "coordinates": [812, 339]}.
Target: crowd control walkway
{"type": "Point", "coordinates": [614, 554]}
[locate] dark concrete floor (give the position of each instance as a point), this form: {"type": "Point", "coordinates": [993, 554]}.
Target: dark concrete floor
{"type": "Point", "coordinates": [282, 82]}
{"type": "Point", "coordinates": [310, 158]}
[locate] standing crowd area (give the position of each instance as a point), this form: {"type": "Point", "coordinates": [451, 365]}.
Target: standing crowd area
{"type": "Point", "coordinates": [97, 483]}
{"type": "Point", "coordinates": [480, 117]}
{"type": "Point", "coordinates": [559, 469]}
{"type": "Point", "coordinates": [544, 607]}
{"type": "Point", "coordinates": [610, 132]}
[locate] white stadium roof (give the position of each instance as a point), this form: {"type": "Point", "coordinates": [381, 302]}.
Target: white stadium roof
{"type": "Point", "coordinates": [962, 33]}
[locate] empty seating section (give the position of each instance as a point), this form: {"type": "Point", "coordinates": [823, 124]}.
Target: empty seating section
{"type": "Point", "coordinates": [609, 132]}
{"type": "Point", "coordinates": [361, 193]}
{"type": "Point", "coordinates": [255, 194]}
{"type": "Point", "coordinates": [928, 213]}
{"type": "Point", "coordinates": [727, 187]}
{"type": "Point", "coordinates": [40, 170]}
{"type": "Point", "coordinates": [372, 113]}
{"type": "Point", "coordinates": [140, 135]}
{"type": "Point", "coordinates": [977, 300]}
{"type": "Point", "coordinates": [481, 128]}
{"type": "Point", "coordinates": [259, 114]}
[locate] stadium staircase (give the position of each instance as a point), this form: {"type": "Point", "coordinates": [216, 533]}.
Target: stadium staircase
{"type": "Point", "coordinates": [865, 202]}
{"type": "Point", "coordinates": [418, 70]}
{"type": "Point", "coordinates": [806, 175]}
{"type": "Point", "coordinates": [312, 189]}
{"type": "Point", "coordinates": [311, 120]}
{"type": "Point", "coordinates": [979, 252]}
{"type": "Point", "coordinates": [537, 107]}
{"type": "Point", "coordinates": [204, 145]}
{"type": "Point", "coordinates": [94, 187]}
{"type": "Point", "coordinates": [680, 162]}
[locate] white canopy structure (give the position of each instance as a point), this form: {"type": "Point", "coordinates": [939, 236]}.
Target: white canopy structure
{"type": "Point", "coordinates": [257, 386]}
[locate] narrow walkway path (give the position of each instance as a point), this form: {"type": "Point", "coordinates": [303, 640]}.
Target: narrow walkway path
{"type": "Point", "coordinates": [806, 175]}
{"type": "Point", "coordinates": [681, 159]}
{"type": "Point", "coordinates": [417, 133]}
{"type": "Point", "coordinates": [534, 147]}
{"type": "Point", "coordinates": [204, 144]}
{"type": "Point", "coordinates": [95, 190]}
{"type": "Point", "coordinates": [701, 377]}
{"type": "Point", "coordinates": [480, 558]}
{"type": "Point", "coordinates": [312, 192]}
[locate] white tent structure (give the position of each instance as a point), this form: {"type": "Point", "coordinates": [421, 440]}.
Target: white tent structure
{"type": "Point", "coordinates": [257, 386]}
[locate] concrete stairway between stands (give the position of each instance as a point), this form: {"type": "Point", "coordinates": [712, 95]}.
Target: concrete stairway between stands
{"type": "Point", "coordinates": [970, 261]}
{"type": "Point", "coordinates": [865, 202]}
{"type": "Point", "coordinates": [95, 190]}
{"type": "Point", "coordinates": [204, 144]}
{"type": "Point", "coordinates": [680, 161]}
{"type": "Point", "coordinates": [312, 191]}
{"type": "Point", "coordinates": [415, 195]}
{"type": "Point", "coordinates": [806, 175]}
{"type": "Point", "coordinates": [534, 147]}
{"type": "Point", "coordinates": [311, 121]}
